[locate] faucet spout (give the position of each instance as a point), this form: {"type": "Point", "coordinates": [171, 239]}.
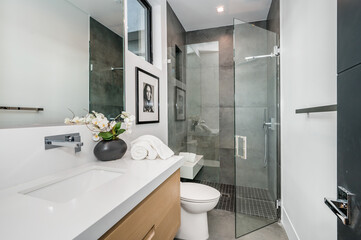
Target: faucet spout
{"type": "Point", "coordinates": [66, 140]}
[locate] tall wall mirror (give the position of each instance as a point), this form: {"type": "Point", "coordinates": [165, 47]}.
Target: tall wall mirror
{"type": "Point", "coordinates": [59, 57]}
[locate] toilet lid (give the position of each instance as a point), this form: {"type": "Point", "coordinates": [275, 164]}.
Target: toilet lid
{"type": "Point", "coordinates": [195, 192]}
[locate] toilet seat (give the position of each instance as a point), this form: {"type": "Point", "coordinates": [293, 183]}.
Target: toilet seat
{"type": "Point", "coordinates": [198, 193]}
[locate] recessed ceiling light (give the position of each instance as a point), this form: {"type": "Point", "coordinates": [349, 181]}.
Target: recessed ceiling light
{"type": "Point", "coordinates": [220, 9]}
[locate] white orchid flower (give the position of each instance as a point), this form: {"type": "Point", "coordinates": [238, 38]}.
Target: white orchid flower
{"type": "Point", "coordinates": [75, 120]}
{"type": "Point", "coordinates": [103, 124]}
{"type": "Point", "coordinates": [112, 124]}
{"type": "Point", "coordinates": [125, 114]}
{"type": "Point", "coordinates": [89, 118]}
{"type": "Point", "coordinates": [67, 121]}
{"type": "Point", "coordinates": [100, 115]}
{"type": "Point", "coordinates": [95, 121]}
{"type": "Point", "coordinates": [96, 137]}
{"type": "Point", "coordinates": [81, 121]}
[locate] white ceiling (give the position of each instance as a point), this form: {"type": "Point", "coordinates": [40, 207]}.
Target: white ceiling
{"type": "Point", "coordinates": [202, 14]}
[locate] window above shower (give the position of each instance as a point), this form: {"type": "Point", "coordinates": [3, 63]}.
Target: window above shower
{"type": "Point", "coordinates": [140, 29]}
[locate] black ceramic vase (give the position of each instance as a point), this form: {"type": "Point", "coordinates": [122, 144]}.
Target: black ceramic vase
{"type": "Point", "coordinates": [110, 150]}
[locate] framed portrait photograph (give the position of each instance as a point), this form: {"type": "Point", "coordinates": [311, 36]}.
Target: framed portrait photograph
{"type": "Point", "coordinates": [147, 94]}
{"type": "Point", "coordinates": [180, 104]}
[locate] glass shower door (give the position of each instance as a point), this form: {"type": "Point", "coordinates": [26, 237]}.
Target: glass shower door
{"type": "Point", "coordinates": [256, 127]}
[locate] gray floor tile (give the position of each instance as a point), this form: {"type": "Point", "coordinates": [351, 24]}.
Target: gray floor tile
{"type": "Point", "coordinates": [222, 227]}
{"type": "Point", "coordinates": [274, 231]}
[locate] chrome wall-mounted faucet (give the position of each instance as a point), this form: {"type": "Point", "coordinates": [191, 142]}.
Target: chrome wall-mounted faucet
{"type": "Point", "coordinates": [64, 140]}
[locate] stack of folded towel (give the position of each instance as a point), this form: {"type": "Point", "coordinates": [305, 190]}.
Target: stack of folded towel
{"type": "Point", "coordinates": [149, 147]}
{"type": "Point", "coordinates": [188, 157]}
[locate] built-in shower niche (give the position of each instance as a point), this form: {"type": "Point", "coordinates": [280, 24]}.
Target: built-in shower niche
{"type": "Point", "coordinates": [106, 83]}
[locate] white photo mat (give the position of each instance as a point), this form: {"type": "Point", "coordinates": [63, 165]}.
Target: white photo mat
{"type": "Point", "coordinates": [147, 97]}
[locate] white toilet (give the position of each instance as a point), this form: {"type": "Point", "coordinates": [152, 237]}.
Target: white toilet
{"type": "Point", "coordinates": [196, 200]}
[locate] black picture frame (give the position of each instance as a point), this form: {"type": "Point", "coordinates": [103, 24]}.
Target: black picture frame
{"type": "Point", "coordinates": [150, 112]}
{"type": "Point", "coordinates": [180, 104]}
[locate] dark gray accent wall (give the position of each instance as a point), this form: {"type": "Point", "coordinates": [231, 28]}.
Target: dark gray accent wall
{"type": "Point", "coordinates": [224, 37]}
{"type": "Point", "coordinates": [273, 18]}
{"type": "Point", "coordinates": [348, 111]}
{"type": "Point", "coordinates": [348, 146]}
{"type": "Point", "coordinates": [106, 87]}
{"type": "Point", "coordinates": [176, 36]}
{"type": "Point", "coordinates": [348, 34]}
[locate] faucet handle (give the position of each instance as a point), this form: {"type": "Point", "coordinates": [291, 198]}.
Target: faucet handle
{"type": "Point", "coordinates": [64, 140]}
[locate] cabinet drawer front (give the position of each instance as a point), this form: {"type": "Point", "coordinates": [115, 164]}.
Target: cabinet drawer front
{"type": "Point", "coordinates": [160, 211]}
{"type": "Point", "coordinates": [150, 235]}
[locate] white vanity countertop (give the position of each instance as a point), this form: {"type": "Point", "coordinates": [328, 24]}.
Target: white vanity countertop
{"type": "Point", "coordinates": [89, 215]}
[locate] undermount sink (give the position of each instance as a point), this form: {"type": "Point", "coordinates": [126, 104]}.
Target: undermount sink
{"type": "Point", "coordinates": [70, 187]}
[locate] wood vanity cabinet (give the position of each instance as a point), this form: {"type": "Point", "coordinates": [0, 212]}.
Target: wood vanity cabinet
{"type": "Point", "coordinates": [156, 218]}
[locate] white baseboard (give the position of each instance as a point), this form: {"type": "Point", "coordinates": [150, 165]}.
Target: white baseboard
{"type": "Point", "coordinates": [288, 226]}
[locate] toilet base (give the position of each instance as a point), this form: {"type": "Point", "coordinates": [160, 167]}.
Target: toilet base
{"type": "Point", "coordinates": [193, 226]}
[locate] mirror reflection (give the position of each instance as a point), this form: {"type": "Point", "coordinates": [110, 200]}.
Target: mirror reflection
{"type": "Point", "coordinates": [58, 55]}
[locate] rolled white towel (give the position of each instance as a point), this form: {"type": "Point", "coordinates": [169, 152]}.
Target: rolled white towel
{"type": "Point", "coordinates": [138, 152]}
{"type": "Point", "coordinates": [185, 156]}
{"type": "Point", "coordinates": [141, 150]}
{"type": "Point", "coordinates": [188, 157]}
{"type": "Point", "coordinates": [161, 149]}
{"type": "Point", "coordinates": [192, 157]}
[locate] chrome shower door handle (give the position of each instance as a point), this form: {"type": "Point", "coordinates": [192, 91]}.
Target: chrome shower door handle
{"type": "Point", "coordinates": [342, 206]}
{"type": "Point", "coordinates": [244, 146]}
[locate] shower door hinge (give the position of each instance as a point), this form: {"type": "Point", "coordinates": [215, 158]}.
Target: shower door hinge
{"type": "Point", "coordinates": [278, 203]}
{"type": "Point", "coordinates": [276, 51]}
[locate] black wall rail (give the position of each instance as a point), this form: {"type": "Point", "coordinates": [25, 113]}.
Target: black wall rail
{"type": "Point", "coordinates": [21, 108]}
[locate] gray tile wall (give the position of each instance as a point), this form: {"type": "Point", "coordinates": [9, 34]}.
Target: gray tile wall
{"type": "Point", "coordinates": [177, 130]}
{"type": "Point", "coordinates": [106, 87]}
{"type": "Point", "coordinates": [273, 18]}
{"type": "Point", "coordinates": [225, 108]}
{"type": "Point", "coordinates": [254, 96]}
{"type": "Point", "coordinates": [203, 99]}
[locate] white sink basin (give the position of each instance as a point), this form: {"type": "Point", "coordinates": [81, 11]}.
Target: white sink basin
{"type": "Point", "coordinates": [70, 187]}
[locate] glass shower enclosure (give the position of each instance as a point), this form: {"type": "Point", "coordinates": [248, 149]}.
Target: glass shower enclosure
{"type": "Point", "coordinates": [231, 118]}
{"type": "Point", "coordinates": [256, 73]}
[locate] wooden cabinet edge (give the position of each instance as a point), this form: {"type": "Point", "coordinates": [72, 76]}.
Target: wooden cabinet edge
{"type": "Point", "coordinates": [169, 193]}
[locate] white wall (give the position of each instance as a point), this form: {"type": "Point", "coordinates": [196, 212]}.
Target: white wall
{"type": "Point", "coordinates": [44, 50]}
{"type": "Point", "coordinates": [159, 68]}
{"type": "Point", "coordinates": [22, 154]}
{"type": "Point", "coordinates": [308, 150]}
